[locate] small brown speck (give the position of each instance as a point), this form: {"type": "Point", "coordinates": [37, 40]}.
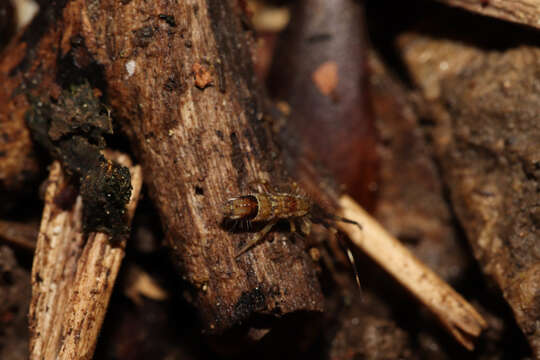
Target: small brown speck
{"type": "Point", "coordinates": [325, 77]}
{"type": "Point", "coordinates": [203, 78]}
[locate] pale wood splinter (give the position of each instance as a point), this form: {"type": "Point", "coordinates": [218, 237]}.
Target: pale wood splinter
{"type": "Point", "coordinates": [458, 316]}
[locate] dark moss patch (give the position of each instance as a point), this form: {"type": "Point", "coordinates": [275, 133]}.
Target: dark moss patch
{"type": "Point", "coordinates": [72, 129]}
{"type": "Point", "coordinates": [105, 191]}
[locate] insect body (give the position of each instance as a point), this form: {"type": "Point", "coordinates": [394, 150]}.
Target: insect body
{"type": "Point", "coordinates": [272, 207]}
{"type": "Point", "coordinates": [268, 207]}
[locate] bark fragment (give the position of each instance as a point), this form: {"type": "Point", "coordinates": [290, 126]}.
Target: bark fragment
{"type": "Point", "coordinates": [458, 316]}
{"type": "Point", "coordinates": [72, 276]}
{"type": "Point", "coordinates": [485, 104]}
{"type": "Point", "coordinates": [197, 147]}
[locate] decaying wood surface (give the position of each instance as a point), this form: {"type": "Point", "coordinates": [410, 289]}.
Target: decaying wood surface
{"type": "Point", "coordinates": [525, 12]}
{"type": "Point", "coordinates": [72, 275]}
{"type": "Point", "coordinates": [485, 104]}
{"type": "Point", "coordinates": [180, 79]}
{"type": "Point", "coordinates": [454, 312]}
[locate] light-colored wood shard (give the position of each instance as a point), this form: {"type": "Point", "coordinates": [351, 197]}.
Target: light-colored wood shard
{"type": "Point", "coordinates": [72, 277]}
{"type": "Point", "coordinates": [454, 312]}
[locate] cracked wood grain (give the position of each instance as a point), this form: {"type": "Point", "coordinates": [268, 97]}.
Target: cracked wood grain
{"type": "Point", "coordinates": [72, 276]}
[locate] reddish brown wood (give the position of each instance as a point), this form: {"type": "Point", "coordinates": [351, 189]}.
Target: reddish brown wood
{"type": "Point", "coordinates": [320, 70]}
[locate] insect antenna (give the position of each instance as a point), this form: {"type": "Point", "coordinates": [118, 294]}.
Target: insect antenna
{"type": "Point", "coordinates": [324, 218]}
{"type": "Point", "coordinates": [350, 255]}
{"type": "Point", "coordinates": [345, 220]}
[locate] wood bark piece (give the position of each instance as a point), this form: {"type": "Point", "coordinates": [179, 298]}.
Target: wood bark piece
{"type": "Point", "coordinates": [525, 12]}
{"type": "Point", "coordinates": [486, 108]}
{"type": "Point", "coordinates": [200, 146]}
{"type": "Point", "coordinates": [72, 276]}
{"type": "Point", "coordinates": [454, 312]}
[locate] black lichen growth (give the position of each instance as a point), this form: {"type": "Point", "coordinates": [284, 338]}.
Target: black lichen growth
{"type": "Point", "coordinates": [72, 129]}
{"type": "Point", "coordinates": [105, 191]}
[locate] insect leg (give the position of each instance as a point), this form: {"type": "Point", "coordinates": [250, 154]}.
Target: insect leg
{"type": "Point", "coordinates": [353, 265]}
{"type": "Point", "coordinates": [257, 237]}
{"type": "Point", "coordinates": [305, 226]}
{"type": "Point", "coordinates": [345, 220]}
{"type": "Point", "coordinates": [292, 225]}
{"type": "Point", "coordinates": [348, 251]}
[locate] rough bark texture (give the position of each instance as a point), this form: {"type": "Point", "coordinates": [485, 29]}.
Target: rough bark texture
{"type": "Point", "coordinates": [520, 11]}
{"type": "Point", "coordinates": [200, 142]}
{"type": "Point", "coordinates": [486, 105]}
{"type": "Point", "coordinates": [202, 138]}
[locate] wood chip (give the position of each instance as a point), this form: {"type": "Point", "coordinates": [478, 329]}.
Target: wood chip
{"type": "Point", "coordinates": [72, 276]}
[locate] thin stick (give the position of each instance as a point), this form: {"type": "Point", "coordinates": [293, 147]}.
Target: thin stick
{"type": "Point", "coordinates": [455, 313]}
{"type": "Point", "coordinates": [72, 279]}
{"type": "Point", "coordinates": [20, 234]}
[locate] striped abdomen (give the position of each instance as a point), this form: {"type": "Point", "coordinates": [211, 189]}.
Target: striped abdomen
{"type": "Point", "coordinates": [264, 207]}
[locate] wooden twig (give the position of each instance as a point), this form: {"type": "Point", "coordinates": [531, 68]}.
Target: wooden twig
{"type": "Point", "coordinates": [72, 277]}
{"type": "Point", "coordinates": [525, 12]}
{"type": "Point", "coordinates": [200, 125]}
{"type": "Point", "coordinates": [20, 234]}
{"type": "Point", "coordinates": [455, 313]}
